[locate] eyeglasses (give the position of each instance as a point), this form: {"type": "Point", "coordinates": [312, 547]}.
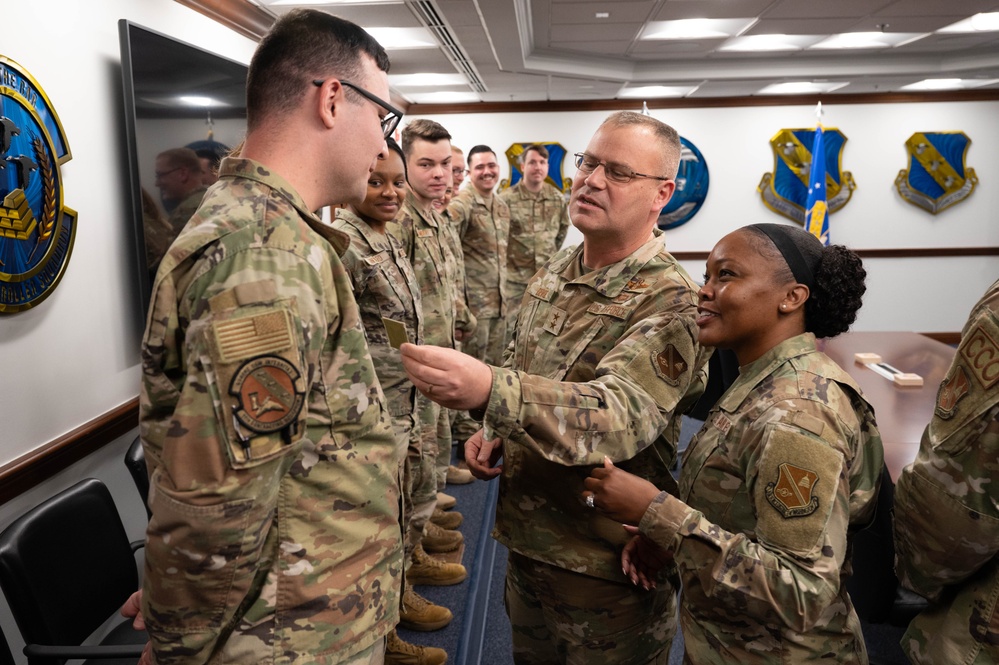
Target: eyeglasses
{"type": "Point", "coordinates": [159, 175]}
{"type": "Point", "coordinates": [391, 119]}
{"type": "Point", "coordinates": [615, 172]}
{"type": "Point", "coordinates": [457, 170]}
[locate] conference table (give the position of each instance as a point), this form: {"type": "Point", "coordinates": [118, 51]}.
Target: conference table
{"type": "Point", "coordinates": [902, 411]}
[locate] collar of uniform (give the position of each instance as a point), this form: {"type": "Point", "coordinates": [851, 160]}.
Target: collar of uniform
{"type": "Point", "coordinates": [430, 217]}
{"type": "Point", "coordinates": [546, 192]}
{"type": "Point", "coordinates": [376, 241]}
{"type": "Point", "coordinates": [238, 167]}
{"type": "Point", "coordinates": [765, 365]}
{"type": "Point", "coordinates": [473, 193]}
{"type": "Point", "coordinates": [611, 280]}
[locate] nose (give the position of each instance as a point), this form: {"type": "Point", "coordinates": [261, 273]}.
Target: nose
{"type": "Point", "coordinates": [594, 181]}
{"type": "Point", "coordinates": [706, 292]}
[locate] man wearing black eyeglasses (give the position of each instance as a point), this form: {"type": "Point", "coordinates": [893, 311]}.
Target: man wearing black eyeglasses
{"type": "Point", "coordinates": [603, 363]}
{"type": "Point", "coordinates": [275, 500]}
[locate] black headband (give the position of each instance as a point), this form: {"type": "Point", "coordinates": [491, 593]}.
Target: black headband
{"type": "Point", "coordinates": [781, 238]}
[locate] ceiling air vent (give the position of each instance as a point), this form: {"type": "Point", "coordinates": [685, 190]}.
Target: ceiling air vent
{"type": "Point", "coordinates": [430, 17]}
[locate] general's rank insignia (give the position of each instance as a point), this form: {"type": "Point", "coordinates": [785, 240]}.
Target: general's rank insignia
{"type": "Point", "coordinates": [36, 230]}
{"type": "Point", "coordinates": [556, 156]}
{"type": "Point", "coordinates": [691, 188]}
{"type": "Point", "coordinates": [267, 394]}
{"type": "Point", "coordinates": [952, 389]}
{"type": "Point", "coordinates": [938, 176]}
{"type": "Point", "coordinates": [791, 495]}
{"type": "Point", "coordinates": [785, 191]}
{"type": "Point", "coordinates": [669, 364]}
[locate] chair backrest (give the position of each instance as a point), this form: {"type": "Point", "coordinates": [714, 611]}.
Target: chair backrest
{"type": "Point", "coordinates": [135, 462]}
{"type": "Point", "coordinates": [66, 565]}
{"type": "Point", "coordinates": [873, 584]}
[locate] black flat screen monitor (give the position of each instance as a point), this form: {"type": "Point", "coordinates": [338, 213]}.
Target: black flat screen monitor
{"type": "Point", "coordinates": [176, 95]}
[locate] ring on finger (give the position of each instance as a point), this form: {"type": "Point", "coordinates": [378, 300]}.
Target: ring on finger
{"type": "Point", "coordinates": [589, 502]}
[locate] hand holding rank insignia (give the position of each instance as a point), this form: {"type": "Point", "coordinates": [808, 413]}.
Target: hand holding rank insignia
{"type": "Point", "coordinates": [396, 331]}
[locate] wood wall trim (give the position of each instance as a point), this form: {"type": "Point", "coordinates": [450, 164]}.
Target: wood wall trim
{"type": "Point", "coordinates": [242, 16]}
{"type": "Point", "coordinates": [39, 465]}
{"type": "Point", "coordinates": [910, 253]}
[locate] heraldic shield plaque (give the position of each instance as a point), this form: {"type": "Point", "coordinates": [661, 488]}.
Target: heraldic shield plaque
{"type": "Point", "coordinates": [691, 188]}
{"type": "Point", "coordinates": [36, 230]}
{"type": "Point", "coordinates": [938, 175]}
{"type": "Point", "coordinates": [556, 155]}
{"type": "Point", "coordinates": [785, 191]}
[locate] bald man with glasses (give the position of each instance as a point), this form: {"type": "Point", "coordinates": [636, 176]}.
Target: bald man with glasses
{"type": "Point", "coordinates": [603, 363]}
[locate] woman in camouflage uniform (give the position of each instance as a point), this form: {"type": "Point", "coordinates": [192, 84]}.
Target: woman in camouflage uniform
{"type": "Point", "coordinates": [785, 468]}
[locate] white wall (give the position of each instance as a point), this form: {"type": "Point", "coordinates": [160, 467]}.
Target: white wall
{"type": "Point", "coordinates": [925, 295]}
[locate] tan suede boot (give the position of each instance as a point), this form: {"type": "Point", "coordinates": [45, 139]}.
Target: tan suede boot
{"type": "Point", "coordinates": [418, 613]}
{"type": "Point", "coordinates": [447, 520]}
{"type": "Point", "coordinates": [398, 652]}
{"type": "Point", "coordinates": [440, 541]}
{"type": "Point", "coordinates": [428, 570]}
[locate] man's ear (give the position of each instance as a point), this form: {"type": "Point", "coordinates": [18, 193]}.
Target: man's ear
{"type": "Point", "coordinates": [663, 194]}
{"type": "Point", "coordinates": [329, 97]}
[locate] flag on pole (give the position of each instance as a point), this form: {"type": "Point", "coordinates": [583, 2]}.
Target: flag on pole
{"type": "Point", "coordinates": [816, 211]}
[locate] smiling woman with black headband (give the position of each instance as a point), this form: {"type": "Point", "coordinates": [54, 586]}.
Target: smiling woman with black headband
{"type": "Point", "coordinates": [786, 467]}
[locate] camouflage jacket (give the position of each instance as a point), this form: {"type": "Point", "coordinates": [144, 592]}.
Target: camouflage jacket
{"type": "Point", "coordinates": [274, 535]}
{"type": "Point", "coordinates": [538, 225]}
{"type": "Point", "coordinates": [947, 506]}
{"type": "Point", "coordinates": [484, 231]}
{"type": "Point", "coordinates": [384, 286]}
{"type": "Point", "coordinates": [180, 215]}
{"type": "Point", "coordinates": [787, 465]}
{"type": "Point", "coordinates": [424, 243]}
{"type": "Point", "coordinates": [602, 363]}
{"type": "Point", "coordinates": [465, 320]}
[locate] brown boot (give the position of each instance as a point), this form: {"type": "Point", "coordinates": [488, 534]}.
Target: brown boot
{"type": "Point", "coordinates": [445, 501]}
{"type": "Point", "coordinates": [450, 520]}
{"type": "Point", "coordinates": [418, 613]}
{"type": "Point", "coordinates": [398, 652]}
{"type": "Point", "coordinates": [456, 476]}
{"type": "Point", "coordinates": [441, 541]}
{"type": "Point", "coordinates": [428, 570]}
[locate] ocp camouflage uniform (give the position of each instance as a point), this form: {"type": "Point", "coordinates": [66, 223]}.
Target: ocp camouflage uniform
{"type": "Point", "coordinates": [947, 506]}
{"type": "Point", "coordinates": [538, 226]}
{"type": "Point", "coordinates": [786, 466]}
{"type": "Point", "coordinates": [603, 363]}
{"type": "Point", "coordinates": [385, 286]}
{"type": "Point", "coordinates": [159, 234]}
{"type": "Point", "coordinates": [464, 319]}
{"type": "Point", "coordinates": [421, 235]}
{"type": "Point", "coordinates": [484, 228]}
{"type": "Point", "coordinates": [274, 534]}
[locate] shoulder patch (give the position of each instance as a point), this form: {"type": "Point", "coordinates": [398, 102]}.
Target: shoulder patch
{"type": "Point", "coordinates": [670, 364]}
{"type": "Point", "coordinates": [237, 339]}
{"type": "Point", "coordinates": [266, 394]}
{"type": "Point", "coordinates": [981, 354]}
{"type": "Point", "coordinates": [806, 422]}
{"type": "Point", "coordinates": [952, 389]}
{"type": "Point", "coordinates": [791, 493]}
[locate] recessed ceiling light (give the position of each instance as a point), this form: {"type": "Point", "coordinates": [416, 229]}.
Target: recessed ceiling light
{"type": "Point", "coordinates": [988, 22]}
{"type": "Point", "coordinates": [770, 42]}
{"type": "Point", "coordinates": [602, 15]}
{"type": "Point", "coordinates": [425, 80]}
{"type": "Point", "coordinates": [801, 87]}
{"type": "Point", "coordinates": [948, 84]}
{"type": "Point", "coordinates": [195, 100]}
{"type": "Point", "coordinates": [697, 28]}
{"type": "Point", "coordinates": [653, 91]}
{"type": "Point", "coordinates": [443, 97]}
{"type": "Point", "coordinates": [403, 38]}
{"type": "Point", "coordinates": [861, 40]}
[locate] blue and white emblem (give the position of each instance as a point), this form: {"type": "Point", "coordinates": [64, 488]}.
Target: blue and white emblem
{"type": "Point", "coordinates": [938, 176]}
{"type": "Point", "coordinates": [785, 191]}
{"type": "Point", "coordinates": [36, 229]}
{"type": "Point", "coordinates": [556, 156]}
{"type": "Point", "coordinates": [691, 188]}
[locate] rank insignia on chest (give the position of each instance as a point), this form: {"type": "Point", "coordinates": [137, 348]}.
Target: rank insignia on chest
{"type": "Point", "coordinates": [791, 495]}
{"type": "Point", "coordinates": [266, 393]}
{"type": "Point", "coordinates": [721, 423]}
{"type": "Point", "coordinates": [555, 321]}
{"type": "Point", "coordinates": [637, 284]}
{"type": "Point", "coordinates": [669, 364]}
{"type": "Point", "coordinates": [953, 388]}
{"type": "Point", "coordinates": [424, 233]}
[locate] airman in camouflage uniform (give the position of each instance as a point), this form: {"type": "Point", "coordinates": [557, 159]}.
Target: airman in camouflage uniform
{"type": "Point", "coordinates": [274, 534]}
{"type": "Point", "coordinates": [539, 221]}
{"type": "Point", "coordinates": [947, 506]}
{"type": "Point", "coordinates": [603, 362]}
{"type": "Point", "coordinates": [179, 178]}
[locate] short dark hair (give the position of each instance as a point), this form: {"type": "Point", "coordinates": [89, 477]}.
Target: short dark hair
{"type": "Point", "coordinates": [302, 46]}
{"type": "Point", "coordinates": [423, 130]}
{"type": "Point", "coordinates": [534, 147]}
{"type": "Point", "coordinates": [213, 157]}
{"type": "Point", "coordinates": [477, 149]}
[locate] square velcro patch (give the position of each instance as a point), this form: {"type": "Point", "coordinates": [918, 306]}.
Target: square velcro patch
{"type": "Point", "coordinates": [249, 336]}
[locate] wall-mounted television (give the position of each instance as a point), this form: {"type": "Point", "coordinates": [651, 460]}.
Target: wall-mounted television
{"type": "Point", "coordinates": [176, 95]}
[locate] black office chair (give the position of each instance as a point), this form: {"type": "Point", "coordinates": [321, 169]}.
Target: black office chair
{"type": "Point", "coordinates": [135, 461]}
{"type": "Point", "coordinates": [6, 657]}
{"type": "Point", "coordinates": [66, 566]}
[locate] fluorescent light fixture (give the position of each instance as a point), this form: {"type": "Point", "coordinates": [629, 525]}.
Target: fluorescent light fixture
{"type": "Point", "coordinates": [862, 40]}
{"type": "Point", "coordinates": [770, 43]}
{"type": "Point", "coordinates": [948, 84]}
{"type": "Point", "coordinates": [426, 80]}
{"type": "Point", "coordinates": [653, 91]}
{"type": "Point", "coordinates": [601, 15]}
{"type": "Point", "coordinates": [978, 23]}
{"type": "Point", "coordinates": [197, 100]}
{"type": "Point", "coordinates": [403, 38]}
{"type": "Point", "coordinates": [801, 87]}
{"type": "Point", "coordinates": [697, 28]}
{"type": "Point", "coordinates": [443, 97]}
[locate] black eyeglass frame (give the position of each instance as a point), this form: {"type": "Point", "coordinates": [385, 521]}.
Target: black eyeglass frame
{"type": "Point", "coordinates": [389, 122]}
{"type": "Point", "coordinates": [631, 176]}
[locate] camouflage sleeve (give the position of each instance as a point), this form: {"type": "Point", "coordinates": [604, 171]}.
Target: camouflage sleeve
{"type": "Point", "coordinates": [789, 572]}
{"type": "Point", "coordinates": [946, 519]}
{"type": "Point", "coordinates": [402, 230]}
{"type": "Point", "coordinates": [460, 211]}
{"type": "Point", "coordinates": [623, 410]}
{"type": "Point", "coordinates": [563, 227]}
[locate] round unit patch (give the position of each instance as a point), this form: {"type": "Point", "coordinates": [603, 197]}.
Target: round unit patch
{"type": "Point", "coordinates": [36, 230]}
{"type": "Point", "coordinates": [264, 388]}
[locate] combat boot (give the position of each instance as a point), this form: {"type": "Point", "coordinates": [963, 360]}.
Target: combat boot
{"type": "Point", "coordinates": [441, 541]}
{"type": "Point", "coordinates": [456, 476]}
{"type": "Point", "coordinates": [450, 521]}
{"type": "Point", "coordinates": [432, 572]}
{"type": "Point", "coordinates": [418, 613]}
{"type": "Point", "coordinates": [445, 501]}
{"type": "Point", "coordinates": [398, 652]}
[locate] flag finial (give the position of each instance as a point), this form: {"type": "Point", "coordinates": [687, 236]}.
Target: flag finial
{"type": "Point", "coordinates": [645, 108]}
{"type": "Point", "coordinates": [819, 112]}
